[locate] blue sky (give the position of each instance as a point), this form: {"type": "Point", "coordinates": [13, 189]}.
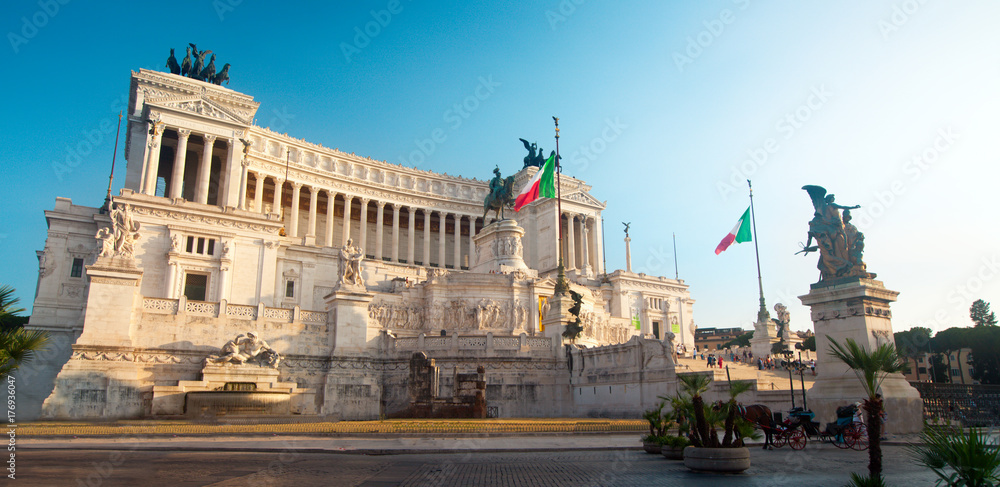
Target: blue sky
{"type": "Point", "coordinates": [666, 108]}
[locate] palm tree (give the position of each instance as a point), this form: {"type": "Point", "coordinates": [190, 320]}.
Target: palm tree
{"type": "Point", "coordinates": [17, 345]}
{"type": "Point", "coordinates": [871, 367]}
{"type": "Point", "coordinates": [708, 420]}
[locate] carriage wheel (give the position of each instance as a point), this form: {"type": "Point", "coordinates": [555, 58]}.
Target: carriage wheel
{"type": "Point", "coordinates": [779, 439]}
{"type": "Point", "coordinates": [839, 440]}
{"type": "Point", "coordinates": [856, 436]}
{"type": "Point", "coordinates": [797, 439]}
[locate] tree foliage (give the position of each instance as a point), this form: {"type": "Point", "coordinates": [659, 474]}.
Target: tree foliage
{"type": "Point", "coordinates": [981, 314]}
{"type": "Point", "coordinates": [17, 345]}
{"type": "Point", "coordinates": [740, 341]}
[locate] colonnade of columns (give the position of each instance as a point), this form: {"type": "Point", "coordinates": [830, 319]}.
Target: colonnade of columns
{"type": "Point", "coordinates": [175, 184]}
{"type": "Point", "coordinates": [393, 229]}
{"type": "Point", "coordinates": [580, 249]}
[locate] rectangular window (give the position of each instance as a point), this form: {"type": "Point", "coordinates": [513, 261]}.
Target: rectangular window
{"type": "Point", "coordinates": [954, 373]}
{"type": "Point", "coordinates": [290, 289]}
{"type": "Point", "coordinates": [195, 286]}
{"type": "Point", "coordinates": [656, 329]}
{"type": "Point", "coordinates": [922, 370]}
{"type": "Point", "coordinates": [77, 269]}
{"type": "Point", "coordinates": [211, 247]}
{"type": "Point", "coordinates": [201, 245]}
{"type": "Point", "coordinates": [190, 245]}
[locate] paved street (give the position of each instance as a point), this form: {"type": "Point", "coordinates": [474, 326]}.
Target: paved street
{"type": "Point", "coordinates": [818, 465]}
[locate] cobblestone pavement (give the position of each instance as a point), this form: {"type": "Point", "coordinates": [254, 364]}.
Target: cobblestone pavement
{"type": "Point", "coordinates": [816, 466]}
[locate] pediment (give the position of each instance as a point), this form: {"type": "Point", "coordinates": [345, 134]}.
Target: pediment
{"type": "Point", "coordinates": [585, 198]}
{"type": "Point", "coordinates": [202, 106]}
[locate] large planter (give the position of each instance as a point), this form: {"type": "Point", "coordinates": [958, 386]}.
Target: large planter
{"type": "Point", "coordinates": [723, 460]}
{"type": "Point", "coordinates": [672, 452]}
{"type": "Point", "coordinates": [651, 447]}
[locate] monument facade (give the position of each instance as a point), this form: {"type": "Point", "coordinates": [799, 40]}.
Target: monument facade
{"type": "Point", "coordinates": [343, 265]}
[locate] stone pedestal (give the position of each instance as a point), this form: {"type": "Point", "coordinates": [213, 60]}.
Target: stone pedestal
{"type": "Point", "coordinates": [764, 336]}
{"type": "Point", "coordinates": [556, 318]}
{"type": "Point", "coordinates": [111, 301]}
{"type": "Point", "coordinates": [351, 334]}
{"type": "Point", "coordinates": [498, 248]}
{"type": "Point", "coordinates": [856, 308]}
{"type": "Point", "coordinates": [101, 379]}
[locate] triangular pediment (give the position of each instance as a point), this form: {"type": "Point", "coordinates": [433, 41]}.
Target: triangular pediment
{"type": "Point", "coordinates": [202, 106]}
{"type": "Point", "coordinates": [585, 198]}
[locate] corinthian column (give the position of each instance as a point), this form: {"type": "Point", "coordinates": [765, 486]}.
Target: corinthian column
{"type": "Point", "coordinates": [571, 242]}
{"type": "Point", "coordinates": [379, 229]}
{"type": "Point", "coordinates": [411, 226]}
{"type": "Point", "coordinates": [293, 224]}
{"type": "Point", "coordinates": [427, 238]}
{"type": "Point", "coordinates": [279, 186]}
{"type": "Point", "coordinates": [363, 217]}
{"type": "Point", "coordinates": [458, 241]}
{"type": "Point", "coordinates": [153, 165]}
{"type": "Point", "coordinates": [442, 219]}
{"type": "Point", "coordinates": [313, 202]}
{"type": "Point", "coordinates": [177, 177]}
{"type": "Point", "coordinates": [347, 218]}
{"type": "Point", "coordinates": [331, 200]}
{"type": "Point", "coordinates": [205, 171]}
{"type": "Point", "coordinates": [395, 232]}
{"type": "Point", "coordinates": [585, 244]}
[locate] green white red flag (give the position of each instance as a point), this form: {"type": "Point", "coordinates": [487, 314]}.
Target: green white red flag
{"type": "Point", "coordinates": [542, 185]}
{"type": "Point", "coordinates": [739, 234]}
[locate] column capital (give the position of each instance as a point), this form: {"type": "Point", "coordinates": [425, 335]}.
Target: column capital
{"type": "Point", "coordinates": [331, 193]}
{"type": "Point", "coordinates": [296, 185]}
{"type": "Point", "coordinates": [209, 138]}
{"type": "Point", "coordinates": [183, 133]}
{"type": "Point", "coordinates": [348, 197]}
{"type": "Point", "coordinates": [411, 210]}
{"type": "Point", "coordinates": [364, 201]}
{"type": "Point", "coordinates": [395, 206]}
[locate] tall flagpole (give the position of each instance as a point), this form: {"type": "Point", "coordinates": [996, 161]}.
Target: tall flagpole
{"type": "Point", "coordinates": [111, 179]}
{"type": "Point", "coordinates": [762, 315]}
{"type": "Point", "coordinates": [677, 273]}
{"type": "Point", "coordinates": [561, 285]}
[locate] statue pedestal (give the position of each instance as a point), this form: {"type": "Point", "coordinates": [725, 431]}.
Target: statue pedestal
{"type": "Point", "coordinates": [764, 335]}
{"type": "Point", "coordinates": [351, 334]}
{"type": "Point", "coordinates": [95, 382]}
{"type": "Point", "coordinates": [556, 318]}
{"type": "Point", "coordinates": [111, 301]}
{"type": "Point", "coordinates": [498, 248]}
{"type": "Point", "coordinates": [856, 308]}
{"type": "Point", "coordinates": [224, 389]}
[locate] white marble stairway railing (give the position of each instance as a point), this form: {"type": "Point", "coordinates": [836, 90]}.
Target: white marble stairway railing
{"type": "Point", "coordinates": [222, 308]}
{"type": "Point", "coordinates": [486, 342]}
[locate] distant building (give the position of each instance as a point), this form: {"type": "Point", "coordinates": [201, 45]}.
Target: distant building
{"type": "Point", "coordinates": [958, 368]}
{"type": "Point", "coordinates": [715, 338]}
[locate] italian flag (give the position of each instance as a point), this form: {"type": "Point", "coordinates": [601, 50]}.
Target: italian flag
{"type": "Point", "coordinates": [739, 234]}
{"type": "Point", "coordinates": [542, 185]}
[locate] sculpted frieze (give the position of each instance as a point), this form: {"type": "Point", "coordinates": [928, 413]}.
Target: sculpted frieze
{"type": "Point", "coordinates": [188, 217]}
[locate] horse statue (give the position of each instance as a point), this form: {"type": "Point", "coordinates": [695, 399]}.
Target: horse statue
{"type": "Point", "coordinates": [501, 195]}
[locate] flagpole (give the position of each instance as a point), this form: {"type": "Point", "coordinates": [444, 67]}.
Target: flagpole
{"type": "Point", "coordinates": [762, 314]}
{"type": "Point", "coordinates": [677, 274]}
{"type": "Point", "coordinates": [561, 285]}
{"type": "Point", "coordinates": [111, 179]}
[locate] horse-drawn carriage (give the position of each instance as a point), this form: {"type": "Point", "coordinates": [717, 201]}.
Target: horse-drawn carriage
{"type": "Point", "coordinates": [848, 431]}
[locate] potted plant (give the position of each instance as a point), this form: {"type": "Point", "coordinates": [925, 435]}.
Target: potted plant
{"type": "Point", "coordinates": [651, 442]}
{"type": "Point", "coordinates": [707, 453]}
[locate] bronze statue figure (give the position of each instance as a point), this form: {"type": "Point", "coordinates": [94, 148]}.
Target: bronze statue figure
{"type": "Point", "coordinates": [533, 158]}
{"type": "Point", "coordinates": [626, 228]}
{"type": "Point", "coordinates": [840, 244]}
{"type": "Point", "coordinates": [197, 69]}
{"type": "Point", "coordinates": [501, 194]}
{"type": "Point", "coordinates": [186, 63]}
{"type": "Point", "coordinates": [222, 76]}
{"type": "Point", "coordinates": [209, 72]}
{"type": "Point", "coordinates": [172, 63]}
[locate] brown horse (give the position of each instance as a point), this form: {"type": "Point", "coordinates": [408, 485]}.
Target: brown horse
{"type": "Point", "coordinates": [760, 415]}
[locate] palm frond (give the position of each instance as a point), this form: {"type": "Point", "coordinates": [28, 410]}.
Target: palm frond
{"type": "Point", "coordinates": [871, 367]}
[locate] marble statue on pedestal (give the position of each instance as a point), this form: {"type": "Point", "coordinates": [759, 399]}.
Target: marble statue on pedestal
{"type": "Point", "coordinates": [839, 243]}
{"type": "Point", "coordinates": [119, 239]}
{"type": "Point", "coordinates": [350, 258]}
